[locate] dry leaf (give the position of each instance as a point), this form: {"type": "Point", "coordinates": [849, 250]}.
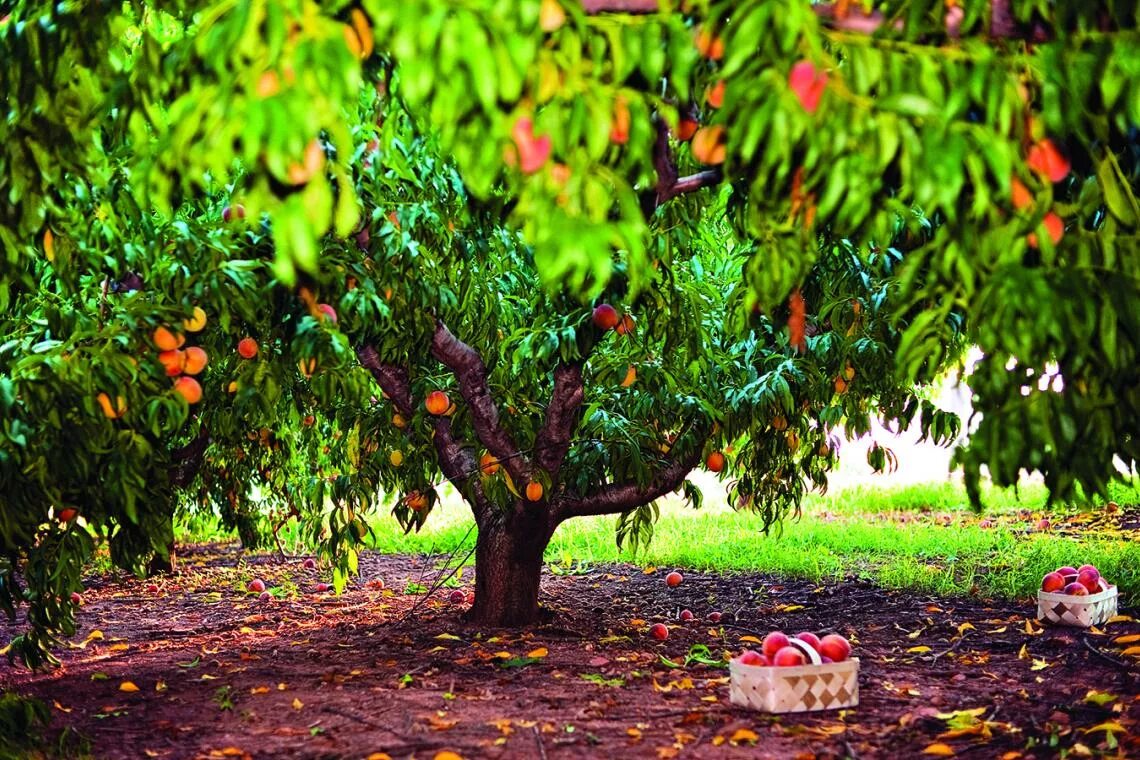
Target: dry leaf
{"type": "Point", "coordinates": [750, 639]}
{"type": "Point", "coordinates": [1130, 639]}
{"type": "Point", "coordinates": [128, 687]}
{"type": "Point", "coordinates": [634, 732]}
{"type": "Point", "coordinates": [379, 756]}
{"type": "Point", "coordinates": [447, 755]}
{"type": "Point", "coordinates": [918, 649]}
{"type": "Point", "coordinates": [538, 653]}
{"type": "Point", "coordinates": [297, 704]}
{"type": "Point", "coordinates": [744, 735]}
{"type": "Point", "coordinates": [1132, 651]}
{"type": "Point", "coordinates": [940, 749]}
{"type": "Point", "coordinates": [259, 690]}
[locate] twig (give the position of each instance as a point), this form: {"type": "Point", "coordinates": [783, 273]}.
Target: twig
{"type": "Point", "coordinates": [538, 741]}
{"type": "Point", "coordinates": [1107, 658]}
{"type": "Point", "coordinates": [440, 581]}
{"type": "Point", "coordinates": [850, 750]}
{"type": "Point", "coordinates": [361, 720]}
{"type": "Point", "coordinates": [953, 648]}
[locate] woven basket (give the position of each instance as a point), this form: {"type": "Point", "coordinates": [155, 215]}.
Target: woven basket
{"type": "Point", "coordinates": [801, 688]}
{"type": "Point", "coordinates": [1078, 611]}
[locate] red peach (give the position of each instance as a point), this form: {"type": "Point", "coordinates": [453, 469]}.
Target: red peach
{"type": "Point", "coordinates": [810, 639]}
{"type": "Point", "coordinates": [309, 564]}
{"type": "Point", "coordinates": [457, 597]}
{"type": "Point", "coordinates": [152, 588]}
{"type": "Point", "coordinates": [257, 586]}
{"type": "Point", "coordinates": [659, 631]}
{"type": "Point", "coordinates": [328, 311]}
{"type": "Point", "coordinates": [76, 598]}
{"type": "Point", "coordinates": [1066, 570]}
{"type": "Point", "coordinates": [265, 596]}
{"type": "Point", "coordinates": [751, 657]}
{"type": "Point", "coordinates": [789, 657]}
{"type": "Point", "coordinates": [606, 317]}
{"type": "Point", "coordinates": [1053, 582]}
{"type": "Point", "coordinates": [774, 642]}
{"type": "Point", "coordinates": [685, 615]}
{"type": "Point", "coordinates": [1076, 589]}
{"type": "Point", "coordinates": [835, 646]}
{"type": "Point", "coordinates": [1043, 524]}
{"type": "Point", "coordinates": [1083, 568]}
{"type": "Point", "coordinates": [714, 617]}
{"type": "Point", "coordinates": [1090, 579]}
{"type": "Point", "coordinates": [673, 579]}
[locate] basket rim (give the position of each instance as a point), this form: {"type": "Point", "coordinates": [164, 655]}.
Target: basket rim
{"type": "Point", "coordinates": [851, 664]}
{"type": "Point", "coordinates": [1057, 596]}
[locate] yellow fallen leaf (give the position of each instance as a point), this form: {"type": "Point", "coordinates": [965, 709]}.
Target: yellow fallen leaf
{"type": "Point", "coordinates": [128, 687]}
{"type": "Point", "coordinates": [259, 690]}
{"type": "Point", "coordinates": [160, 686]}
{"type": "Point", "coordinates": [1039, 664]}
{"type": "Point", "coordinates": [60, 707]}
{"type": "Point", "coordinates": [710, 698]}
{"type": "Point", "coordinates": [379, 756]}
{"type": "Point", "coordinates": [717, 741]}
{"type": "Point", "coordinates": [744, 735]}
{"type": "Point", "coordinates": [1023, 653]}
{"type": "Point", "coordinates": [231, 752]}
{"type": "Point", "coordinates": [918, 649]}
{"type": "Point", "coordinates": [297, 704]}
{"type": "Point", "coordinates": [637, 622]}
{"type": "Point", "coordinates": [1132, 651]}
{"type": "Point", "coordinates": [1029, 628]}
{"type": "Point", "coordinates": [966, 627]}
{"type": "Point", "coordinates": [1129, 639]}
{"type": "Point", "coordinates": [537, 653]}
{"type": "Point", "coordinates": [1110, 726]}
{"type": "Point", "coordinates": [118, 647]}
{"type": "Point", "coordinates": [447, 755]}
{"type": "Point", "coordinates": [940, 749]}
{"type": "Point", "coordinates": [281, 687]}
{"type": "Point", "coordinates": [750, 639]}
{"type": "Point", "coordinates": [649, 570]}
{"type": "Point", "coordinates": [448, 637]}
{"type": "Point", "coordinates": [1120, 619]}
{"type": "Point", "coordinates": [246, 630]}
{"type": "Point", "coordinates": [504, 655]}
{"type": "Point", "coordinates": [633, 732]}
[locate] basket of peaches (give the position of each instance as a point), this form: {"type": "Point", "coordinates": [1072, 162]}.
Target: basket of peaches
{"type": "Point", "coordinates": [796, 674]}
{"type": "Point", "coordinates": [1077, 597]}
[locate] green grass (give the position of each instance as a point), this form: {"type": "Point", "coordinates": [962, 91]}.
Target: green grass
{"type": "Point", "coordinates": [857, 532]}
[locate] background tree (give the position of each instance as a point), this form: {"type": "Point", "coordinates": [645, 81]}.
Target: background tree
{"type": "Point", "coordinates": [462, 184]}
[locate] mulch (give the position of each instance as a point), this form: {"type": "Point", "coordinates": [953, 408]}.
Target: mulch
{"type": "Point", "coordinates": [384, 668]}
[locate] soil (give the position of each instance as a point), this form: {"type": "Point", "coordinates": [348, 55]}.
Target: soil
{"type": "Point", "coordinates": [394, 670]}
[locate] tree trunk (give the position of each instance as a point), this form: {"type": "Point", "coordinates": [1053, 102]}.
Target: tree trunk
{"type": "Point", "coordinates": [160, 565]}
{"type": "Point", "coordinates": [508, 569]}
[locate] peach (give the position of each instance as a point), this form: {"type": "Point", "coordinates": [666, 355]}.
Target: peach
{"type": "Point", "coordinates": [321, 588]}
{"type": "Point", "coordinates": [808, 83]}
{"type": "Point", "coordinates": [1066, 570]}
{"type": "Point", "coordinates": [1076, 588]}
{"type": "Point", "coordinates": [685, 615]}
{"type": "Point", "coordinates": [152, 588]}
{"type": "Point", "coordinates": [788, 657]}
{"type": "Point", "coordinates": [328, 311]}
{"type": "Point", "coordinates": [1089, 578]}
{"type": "Point", "coordinates": [1053, 582]}
{"type": "Point", "coordinates": [247, 348]}
{"type": "Point", "coordinates": [1082, 568]}
{"type": "Point", "coordinates": [606, 317]}
{"type": "Point", "coordinates": [76, 598]}
{"type": "Point", "coordinates": [457, 597]}
{"type": "Point", "coordinates": [835, 646]}
{"type": "Point", "coordinates": [751, 657]}
{"type": "Point", "coordinates": [437, 402]}
{"type": "Point", "coordinates": [230, 212]}
{"type": "Point", "coordinates": [1044, 158]}
{"type": "Point", "coordinates": [773, 642]}
{"type": "Point", "coordinates": [257, 586]}
{"type": "Point", "coordinates": [659, 631]}
{"type": "Point", "coordinates": [265, 596]}
{"type": "Point", "coordinates": [488, 464]}
{"type": "Point", "coordinates": [67, 514]}
{"type": "Point", "coordinates": [194, 360]}
{"type": "Point", "coordinates": [534, 491]}
{"type": "Point", "coordinates": [714, 617]}
{"type": "Point", "coordinates": [165, 340]}
{"type": "Point", "coordinates": [196, 322]}
{"type": "Point", "coordinates": [1043, 524]}
{"type": "Point", "coordinates": [309, 564]}
{"type": "Point", "coordinates": [189, 389]}
{"type": "Point", "coordinates": [673, 579]}
{"type": "Point", "coordinates": [809, 638]}
{"type": "Point", "coordinates": [715, 462]}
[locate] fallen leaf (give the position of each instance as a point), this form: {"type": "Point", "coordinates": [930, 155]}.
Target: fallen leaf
{"type": "Point", "coordinates": [1099, 697]}
{"type": "Point", "coordinates": [1129, 639]}
{"type": "Point", "coordinates": [441, 724]}
{"type": "Point", "coordinates": [634, 732]}
{"type": "Point", "coordinates": [744, 735]}
{"type": "Point", "coordinates": [297, 704]}
{"type": "Point", "coordinates": [918, 649]}
{"type": "Point", "coordinates": [447, 755]}
{"type": "Point", "coordinates": [965, 627]}
{"type": "Point", "coordinates": [538, 653]}
{"type": "Point", "coordinates": [259, 690]}
{"type": "Point", "coordinates": [379, 756]}
{"type": "Point", "coordinates": [750, 639]}
{"type": "Point", "coordinates": [448, 637]}
{"type": "Point", "coordinates": [128, 687]}
{"type": "Point", "coordinates": [940, 749]}
{"type": "Point", "coordinates": [1039, 664]}
{"type": "Point", "coordinates": [1132, 651]}
{"type": "Point", "coordinates": [60, 707]}
{"type": "Point", "coordinates": [1109, 726]}
{"type": "Point", "coordinates": [1120, 619]}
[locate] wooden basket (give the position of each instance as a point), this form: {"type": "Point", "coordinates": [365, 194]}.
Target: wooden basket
{"type": "Point", "coordinates": [1078, 611]}
{"type": "Point", "coordinates": [801, 688]}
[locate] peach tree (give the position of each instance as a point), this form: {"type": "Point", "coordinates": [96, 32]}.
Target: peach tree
{"type": "Point", "coordinates": [558, 252]}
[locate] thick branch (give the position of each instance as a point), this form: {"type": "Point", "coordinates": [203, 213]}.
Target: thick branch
{"type": "Point", "coordinates": [456, 462]}
{"type": "Point", "coordinates": [471, 373]}
{"type": "Point", "coordinates": [562, 413]}
{"type": "Point", "coordinates": [594, 7]}
{"type": "Point", "coordinates": [188, 459]}
{"type": "Point", "coordinates": [669, 185]}
{"type": "Point", "coordinates": [616, 498]}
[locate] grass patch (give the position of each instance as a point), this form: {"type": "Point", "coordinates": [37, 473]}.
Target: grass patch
{"type": "Point", "coordinates": [891, 536]}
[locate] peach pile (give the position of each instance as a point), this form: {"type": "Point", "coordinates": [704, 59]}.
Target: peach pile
{"type": "Point", "coordinates": [778, 649]}
{"type": "Point", "coordinates": [1080, 581]}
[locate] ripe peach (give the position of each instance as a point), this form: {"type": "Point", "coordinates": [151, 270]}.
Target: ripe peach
{"type": "Point", "coordinates": [488, 464]}
{"type": "Point", "coordinates": [714, 617]}
{"type": "Point", "coordinates": [787, 657]}
{"type": "Point", "coordinates": [327, 311]}
{"type": "Point", "coordinates": [457, 597]}
{"type": "Point", "coordinates": [152, 588]}
{"type": "Point", "coordinates": [710, 145]}
{"type": "Point", "coordinates": [685, 615]}
{"type": "Point", "coordinates": [630, 377]}
{"type": "Point", "coordinates": [1054, 225]}
{"type": "Point", "coordinates": [659, 631]}
{"type": "Point", "coordinates": [1082, 568]}
{"type": "Point", "coordinates": [398, 421]}
{"type": "Point", "coordinates": [229, 212]}
{"type": "Point", "coordinates": [1066, 570]}
{"type": "Point", "coordinates": [194, 360]}
{"type": "Point", "coordinates": [1019, 195]}
{"type": "Point", "coordinates": [172, 362]}
{"type": "Point", "coordinates": [196, 322]}
{"type": "Point", "coordinates": [531, 151]}
{"type": "Point", "coordinates": [1043, 524]}
{"type": "Point", "coordinates": [437, 402]}
{"type": "Point", "coordinates": [673, 579]}
{"type": "Point", "coordinates": [257, 585]}
{"type": "Point", "coordinates": [1044, 158]}
{"type": "Point", "coordinates": [773, 642]}
{"type": "Point", "coordinates": [67, 514]}
{"type": "Point", "coordinates": [835, 646]}
{"type": "Point", "coordinates": [715, 462]}
{"type": "Point", "coordinates": [165, 340]}
{"type": "Point", "coordinates": [1052, 582]}
{"type": "Point", "coordinates": [416, 501]}
{"type": "Point", "coordinates": [1089, 578]}
{"type": "Point", "coordinates": [626, 326]}
{"type": "Point", "coordinates": [247, 348]}
{"type": "Point", "coordinates": [987, 523]}
{"type": "Point", "coordinates": [321, 588]}
{"type": "Point", "coordinates": [606, 317]}
{"type": "Point", "coordinates": [751, 657]}
{"type": "Point", "coordinates": [1076, 588]}
{"type": "Point", "coordinates": [309, 564]}
{"type": "Point", "coordinates": [534, 491]}
{"type": "Point", "coordinates": [189, 389]}
{"type": "Point", "coordinates": [265, 596]}
{"type": "Point", "coordinates": [76, 598]}
{"type": "Point", "coordinates": [809, 638]}
{"type": "Point", "coordinates": [396, 458]}
{"type": "Point", "coordinates": [686, 128]}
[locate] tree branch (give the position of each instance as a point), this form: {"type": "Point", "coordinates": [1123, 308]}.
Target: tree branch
{"type": "Point", "coordinates": [455, 461]}
{"type": "Point", "coordinates": [553, 439]}
{"type": "Point", "coordinates": [616, 498]}
{"type": "Point", "coordinates": [669, 185]}
{"type": "Point", "coordinates": [188, 459]}
{"type": "Point", "coordinates": [469, 369]}
{"type": "Point", "coordinates": [594, 7]}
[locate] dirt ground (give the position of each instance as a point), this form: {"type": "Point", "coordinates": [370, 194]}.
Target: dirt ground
{"type": "Point", "coordinates": [199, 668]}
